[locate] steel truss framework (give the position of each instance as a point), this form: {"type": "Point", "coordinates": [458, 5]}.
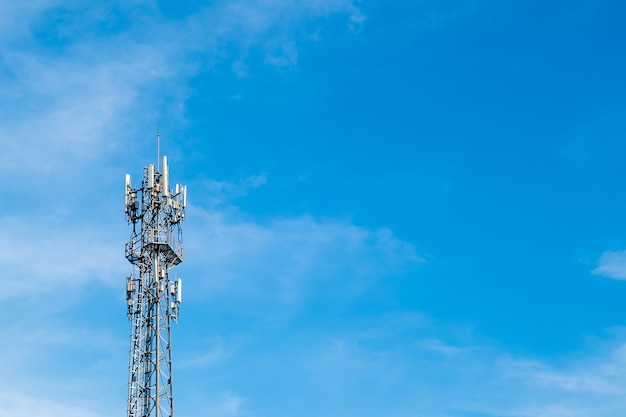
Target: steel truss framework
{"type": "Point", "coordinates": [156, 213]}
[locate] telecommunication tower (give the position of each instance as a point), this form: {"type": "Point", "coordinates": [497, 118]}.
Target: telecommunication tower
{"type": "Point", "coordinates": [156, 213]}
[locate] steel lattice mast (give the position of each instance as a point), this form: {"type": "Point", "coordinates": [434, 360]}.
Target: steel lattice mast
{"type": "Point", "coordinates": [156, 213]}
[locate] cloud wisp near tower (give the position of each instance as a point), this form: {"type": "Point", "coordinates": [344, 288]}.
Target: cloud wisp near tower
{"type": "Point", "coordinates": [156, 213]}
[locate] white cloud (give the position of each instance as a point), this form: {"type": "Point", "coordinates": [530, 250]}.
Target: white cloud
{"type": "Point", "coordinates": [227, 404]}
{"type": "Point", "coordinates": [210, 352]}
{"type": "Point", "coordinates": [220, 192]}
{"type": "Point", "coordinates": [41, 257]}
{"type": "Point", "coordinates": [440, 346]}
{"type": "Point", "coordinates": [612, 264]}
{"type": "Point", "coordinates": [385, 373]}
{"type": "Point", "coordinates": [70, 108]}
{"type": "Point", "coordinates": [271, 25]}
{"type": "Point", "coordinates": [16, 404]}
{"type": "Point", "coordinates": [49, 364]}
{"type": "Point", "coordinates": [593, 377]}
{"type": "Point", "coordinates": [15, 18]}
{"type": "Point", "coordinates": [282, 258]}
{"type": "Point", "coordinates": [223, 404]}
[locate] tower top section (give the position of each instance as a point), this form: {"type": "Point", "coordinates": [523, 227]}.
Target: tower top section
{"type": "Point", "coordinates": [160, 210]}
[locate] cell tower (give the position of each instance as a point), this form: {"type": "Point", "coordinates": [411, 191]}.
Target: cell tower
{"type": "Point", "coordinates": [156, 213]}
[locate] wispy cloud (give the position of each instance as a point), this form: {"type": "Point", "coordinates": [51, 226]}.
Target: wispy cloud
{"type": "Point", "coordinates": [612, 264]}
{"type": "Point", "coordinates": [74, 106]}
{"type": "Point", "coordinates": [219, 192]}
{"type": "Point", "coordinates": [63, 114]}
{"type": "Point", "coordinates": [285, 256]}
{"type": "Point", "coordinates": [16, 404]}
{"type": "Point", "coordinates": [210, 352]}
{"type": "Point", "coordinates": [48, 366]}
{"type": "Point", "coordinates": [477, 379]}
{"type": "Point", "coordinates": [40, 258]}
{"type": "Point", "coordinates": [226, 404]}
{"type": "Point", "coordinates": [272, 26]}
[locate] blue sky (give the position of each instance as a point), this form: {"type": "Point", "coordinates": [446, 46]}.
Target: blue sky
{"type": "Point", "coordinates": [396, 208]}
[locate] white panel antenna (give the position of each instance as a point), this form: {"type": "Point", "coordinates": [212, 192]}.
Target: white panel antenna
{"type": "Point", "coordinates": [150, 176]}
{"type": "Point", "coordinates": [127, 192]}
{"type": "Point", "coordinates": [165, 177]}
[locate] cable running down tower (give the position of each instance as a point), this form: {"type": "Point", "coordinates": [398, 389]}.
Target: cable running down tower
{"type": "Point", "coordinates": [156, 213]}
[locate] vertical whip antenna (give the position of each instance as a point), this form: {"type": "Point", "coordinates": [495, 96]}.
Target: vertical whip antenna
{"type": "Point", "coordinates": [158, 147]}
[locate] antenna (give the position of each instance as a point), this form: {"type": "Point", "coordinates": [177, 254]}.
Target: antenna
{"type": "Point", "coordinates": [165, 181]}
{"type": "Point", "coordinates": [158, 147]}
